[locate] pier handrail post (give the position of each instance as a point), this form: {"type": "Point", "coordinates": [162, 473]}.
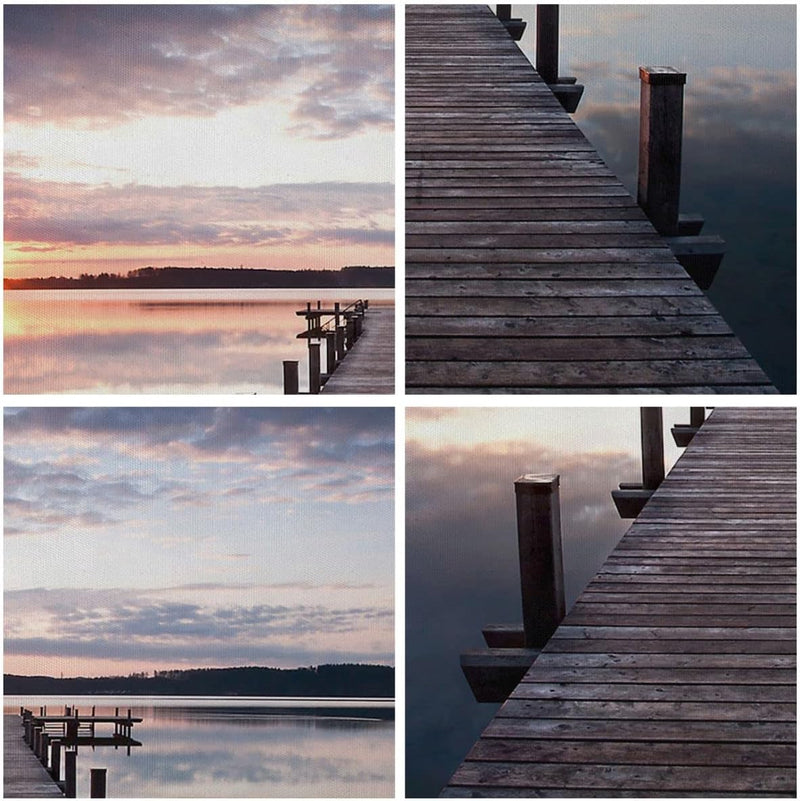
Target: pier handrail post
{"type": "Point", "coordinates": [547, 42]}
{"type": "Point", "coordinates": [652, 447]}
{"type": "Point", "coordinates": [503, 12]}
{"type": "Point", "coordinates": [313, 368]}
{"type": "Point", "coordinates": [70, 773]}
{"type": "Point", "coordinates": [660, 141]}
{"type": "Point", "coordinates": [540, 560]}
{"type": "Point", "coordinates": [291, 381]}
{"type": "Point", "coordinates": [97, 783]}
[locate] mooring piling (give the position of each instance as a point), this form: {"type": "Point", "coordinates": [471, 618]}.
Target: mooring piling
{"type": "Point", "coordinates": [97, 783]}
{"type": "Point", "coordinates": [540, 558]}
{"type": "Point", "coordinates": [493, 673]}
{"type": "Point", "coordinates": [71, 773]}
{"type": "Point", "coordinates": [631, 497]}
{"type": "Point", "coordinates": [660, 146]}
{"type": "Point", "coordinates": [659, 183]}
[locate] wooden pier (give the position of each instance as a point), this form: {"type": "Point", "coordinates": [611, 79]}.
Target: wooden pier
{"type": "Point", "coordinates": [369, 367]}
{"type": "Point", "coordinates": [674, 674]}
{"type": "Point", "coordinates": [34, 754]}
{"type": "Point", "coordinates": [529, 267]}
{"type": "Point", "coordinates": [24, 776]}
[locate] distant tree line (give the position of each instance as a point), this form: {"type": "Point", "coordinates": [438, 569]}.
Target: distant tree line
{"type": "Point", "coordinates": [345, 681]}
{"type": "Point", "coordinates": [216, 278]}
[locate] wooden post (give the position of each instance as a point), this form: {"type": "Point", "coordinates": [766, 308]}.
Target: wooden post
{"type": "Point", "coordinates": [503, 12]}
{"type": "Point", "coordinates": [291, 381]}
{"type": "Point", "coordinates": [339, 342]}
{"type": "Point", "coordinates": [97, 783]}
{"type": "Point", "coordinates": [697, 416]}
{"type": "Point", "coordinates": [313, 368]}
{"type": "Point", "coordinates": [652, 447]}
{"type": "Point", "coordinates": [540, 560]}
{"type": "Point", "coordinates": [330, 352]}
{"type": "Point", "coordinates": [55, 760]}
{"type": "Point", "coordinates": [44, 747]}
{"type": "Point", "coordinates": [336, 313]}
{"type": "Point", "coordinates": [37, 738]}
{"type": "Point", "coordinates": [660, 135]}
{"type": "Point", "coordinates": [547, 42]}
{"type": "Point", "coordinates": [70, 773]}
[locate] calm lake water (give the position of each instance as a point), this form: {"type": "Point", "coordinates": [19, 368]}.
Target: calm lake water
{"type": "Point", "coordinates": [159, 341]}
{"type": "Point", "coordinates": [739, 146]}
{"type": "Point", "coordinates": [241, 748]}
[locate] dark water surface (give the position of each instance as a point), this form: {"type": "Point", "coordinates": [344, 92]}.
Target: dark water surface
{"type": "Point", "coordinates": [159, 341]}
{"type": "Point", "coordinates": [739, 146]}
{"type": "Point", "coordinates": [241, 748]}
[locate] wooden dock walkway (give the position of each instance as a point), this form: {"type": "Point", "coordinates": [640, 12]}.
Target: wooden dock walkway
{"type": "Point", "coordinates": [675, 673]}
{"type": "Point", "coordinates": [369, 367]}
{"type": "Point", "coordinates": [529, 267]}
{"type": "Point", "coordinates": [24, 775]}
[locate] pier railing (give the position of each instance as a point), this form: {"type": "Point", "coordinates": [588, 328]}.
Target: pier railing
{"type": "Point", "coordinates": [340, 327]}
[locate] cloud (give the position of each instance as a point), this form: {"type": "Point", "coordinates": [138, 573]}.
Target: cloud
{"type": "Point", "coordinates": [52, 214]}
{"type": "Point", "coordinates": [98, 66]}
{"type": "Point", "coordinates": [330, 455]}
{"type": "Point", "coordinates": [125, 624]}
{"type": "Point", "coordinates": [42, 497]}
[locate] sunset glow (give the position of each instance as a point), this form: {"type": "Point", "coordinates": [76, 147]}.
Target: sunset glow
{"type": "Point", "coordinates": [259, 136]}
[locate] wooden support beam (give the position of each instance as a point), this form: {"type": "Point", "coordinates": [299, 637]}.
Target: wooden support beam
{"type": "Point", "coordinates": [547, 42]}
{"type": "Point", "coordinates": [70, 773]}
{"type": "Point", "coordinates": [652, 432]}
{"type": "Point", "coordinates": [630, 498]}
{"type": "Point", "coordinates": [330, 352]}
{"type": "Point", "coordinates": [504, 635]}
{"type": "Point", "coordinates": [514, 26]}
{"type": "Point", "coordinates": [683, 433]}
{"type": "Point", "coordinates": [493, 673]}
{"type": "Point", "coordinates": [700, 256]}
{"type": "Point", "coordinates": [313, 368]}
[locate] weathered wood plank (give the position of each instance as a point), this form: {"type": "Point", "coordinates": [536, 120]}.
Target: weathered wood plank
{"type": "Point", "coordinates": [678, 660]}
{"type": "Point", "coordinates": [23, 774]}
{"type": "Point", "coordinates": [508, 203]}
{"type": "Point", "coordinates": [369, 366]}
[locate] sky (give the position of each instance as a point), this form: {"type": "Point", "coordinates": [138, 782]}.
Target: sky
{"type": "Point", "coordinates": [462, 562]}
{"type": "Point", "coordinates": [148, 539]}
{"type": "Point", "coordinates": [191, 135]}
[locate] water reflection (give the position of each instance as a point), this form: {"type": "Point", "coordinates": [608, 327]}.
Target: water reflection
{"type": "Point", "coordinates": [739, 154]}
{"type": "Point", "coordinates": [157, 341]}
